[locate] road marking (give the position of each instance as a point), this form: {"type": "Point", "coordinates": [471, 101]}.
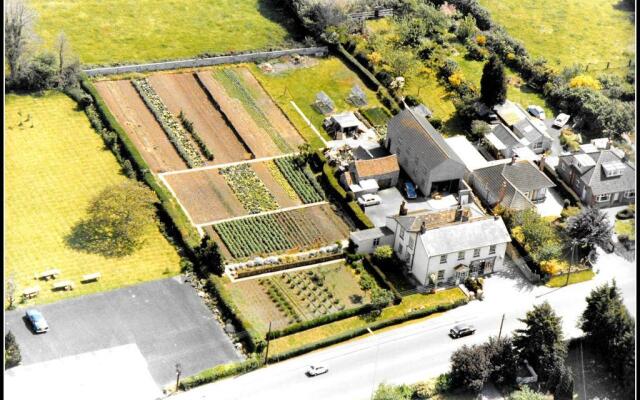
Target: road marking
{"type": "Point", "coordinates": [230, 164]}
{"type": "Point", "coordinates": [304, 117]}
{"type": "Point", "coordinates": [262, 213]}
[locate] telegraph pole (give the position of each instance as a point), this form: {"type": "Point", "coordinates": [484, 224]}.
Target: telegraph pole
{"type": "Point", "coordinates": [266, 354]}
{"type": "Point", "coordinates": [501, 322]}
{"type": "Point", "coordinates": [178, 371]}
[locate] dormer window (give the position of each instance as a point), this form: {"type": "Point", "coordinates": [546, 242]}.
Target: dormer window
{"type": "Point", "coordinates": [611, 169]}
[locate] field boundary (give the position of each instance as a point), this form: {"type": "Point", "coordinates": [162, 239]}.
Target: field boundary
{"type": "Point", "coordinates": [304, 117]}
{"type": "Point", "coordinates": [218, 221]}
{"type": "Point", "coordinates": [205, 62]}
{"type": "Point", "coordinates": [224, 165]}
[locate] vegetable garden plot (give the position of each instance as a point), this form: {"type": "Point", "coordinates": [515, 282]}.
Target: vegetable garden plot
{"type": "Point", "coordinates": [287, 231]}
{"type": "Point", "coordinates": [301, 179]}
{"type": "Point", "coordinates": [141, 126]}
{"type": "Point", "coordinates": [249, 189]}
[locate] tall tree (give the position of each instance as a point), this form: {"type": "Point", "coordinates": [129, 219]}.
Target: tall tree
{"type": "Point", "coordinates": [10, 294]}
{"type": "Point", "coordinates": [590, 228]}
{"type": "Point", "coordinates": [503, 360]}
{"type": "Point", "coordinates": [493, 85]}
{"type": "Point", "coordinates": [118, 219]}
{"type": "Point", "coordinates": [470, 368]}
{"type": "Point", "coordinates": [541, 341]}
{"type": "Point", "coordinates": [209, 256]}
{"type": "Point", "coordinates": [19, 35]}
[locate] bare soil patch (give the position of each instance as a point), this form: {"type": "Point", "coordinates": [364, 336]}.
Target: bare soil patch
{"type": "Point", "coordinates": [256, 139]}
{"type": "Point", "coordinates": [181, 92]}
{"type": "Point", "coordinates": [205, 195]}
{"type": "Point", "coordinates": [274, 187]}
{"type": "Point", "coordinates": [274, 114]}
{"type": "Point", "coordinates": [141, 126]}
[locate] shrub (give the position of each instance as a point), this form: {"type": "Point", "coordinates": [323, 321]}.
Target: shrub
{"type": "Point", "coordinates": [470, 368]}
{"type": "Point", "coordinates": [12, 354]}
{"type": "Point", "coordinates": [585, 81]}
{"type": "Point", "coordinates": [79, 96]}
{"type": "Point", "coordinates": [383, 255]}
{"type": "Point", "coordinates": [481, 40]}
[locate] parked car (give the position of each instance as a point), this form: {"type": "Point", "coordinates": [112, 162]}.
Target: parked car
{"type": "Point", "coordinates": [369, 200]}
{"type": "Point", "coordinates": [37, 321]}
{"type": "Point", "coordinates": [536, 111]}
{"type": "Point", "coordinates": [561, 120]}
{"type": "Point", "coordinates": [410, 190]}
{"type": "Point", "coordinates": [462, 330]}
{"type": "Point", "coordinates": [315, 370]}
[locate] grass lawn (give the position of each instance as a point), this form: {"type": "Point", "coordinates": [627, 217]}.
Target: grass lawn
{"type": "Point", "coordinates": [301, 85]}
{"type": "Point", "coordinates": [626, 227]}
{"type": "Point", "coordinates": [144, 30]}
{"type": "Point", "coordinates": [569, 32]}
{"type": "Point", "coordinates": [55, 164]}
{"type": "Point", "coordinates": [409, 303]}
{"type": "Point", "coordinates": [575, 277]}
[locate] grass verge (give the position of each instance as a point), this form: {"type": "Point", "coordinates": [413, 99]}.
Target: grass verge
{"type": "Point", "coordinates": [575, 277]}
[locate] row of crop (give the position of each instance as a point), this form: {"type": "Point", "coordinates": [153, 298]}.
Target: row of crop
{"type": "Point", "coordinates": [282, 181]}
{"type": "Point", "coordinates": [301, 182]}
{"type": "Point", "coordinates": [280, 300]}
{"type": "Point", "coordinates": [231, 81]}
{"type": "Point", "coordinates": [249, 189]}
{"type": "Point", "coordinates": [173, 129]}
{"type": "Point", "coordinates": [310, 291]}
{"type": "Point", "coordinates": [188, 126]}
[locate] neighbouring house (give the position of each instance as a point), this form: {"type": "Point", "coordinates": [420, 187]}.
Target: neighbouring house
{"type": "Point", "coordinates": [424, 154]}
{"type": "Point", "coordinates": [600, 178]}
{"type": "Point", "coordinates": [519, 125]}
{"type": "Point", "coordinates": [385, 170]}
{"type": "Point", "coordinates": [467, 152]}
{"type": "Point", "coordinates": [517, 185]}
{"type": "Point", "coordinates": [342, 125]}
{"type": "Point", "coordinates": [449, 244]}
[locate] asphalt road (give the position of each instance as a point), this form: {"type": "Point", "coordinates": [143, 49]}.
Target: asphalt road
{"type": "Point", "coordinates": [420, 350]}
{"type": "Point", "coordinates": [165, 319]}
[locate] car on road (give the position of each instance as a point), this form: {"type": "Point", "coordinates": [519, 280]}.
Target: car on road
{"type": "Point", "coordinates": [315, 370]}
{"type": "Point", "coordinates": [410, 190]}
{"type": "Point", "coordinates": [561, 120]}
{"type": "Point", "coordinates": [462, 330]}
{"type": "Point", "coordinates": [536, 111]}
{"type": "Point", "coordinates": [369, 200]}
{"type": "Point", "coordinates": [37, 321]}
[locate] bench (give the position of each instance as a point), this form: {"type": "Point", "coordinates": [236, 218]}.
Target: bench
{"type": "Point", "coordinates": [30, 292]}
{"type": "Point", "coordinates": [91, 277]}
{"type": "Point", "coordinates": [50, 273]}
{"type": "Point", "coordinates": [66, 285]}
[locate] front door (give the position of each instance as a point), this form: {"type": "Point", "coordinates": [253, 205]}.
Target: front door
{"type": "Point", "coordinates": [616, 196]}
{"type": "Point", "coordinates": [461, 276]}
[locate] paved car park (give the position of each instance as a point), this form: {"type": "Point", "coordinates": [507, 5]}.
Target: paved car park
{"type": "Point", "coordinates": [390, 205]}
{"type": "Point", "coordinates": [165, 319]}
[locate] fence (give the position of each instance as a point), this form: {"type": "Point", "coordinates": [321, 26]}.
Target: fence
{"type": "Point", "coordinates": [602, 66]}
{"type": "Point", "coordinates": [208, 61]}
{"type": "Point", "coordinates": [378, 13]}
{"type": "Point", "coordinates": [519, 262]}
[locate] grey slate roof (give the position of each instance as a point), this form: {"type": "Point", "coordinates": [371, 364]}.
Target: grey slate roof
{"type": "Point", "coordinates": [421, 135]}
{"type": "Point", "coordinates": [528, 130]}
{"type": "Point", "coordinates": [465, 236]}
{"type": "Point", "coordinates": [521, 177]}
{"type": "Point", "coordinates": [370, 234]}
{"type": "Point", "coordinates": [505, 135]}
{"type": "Point", "coordinates": [595, 178]}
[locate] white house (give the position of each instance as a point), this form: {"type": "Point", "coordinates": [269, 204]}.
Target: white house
{"type": "Point", "coordinates": [451, 244]}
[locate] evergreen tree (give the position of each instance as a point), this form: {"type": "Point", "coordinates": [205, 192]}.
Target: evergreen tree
{"type": "Point", "coordinates": [590, 228]}
{"type": "Point", "coordinates": [470, 368]}
{"type": "Point", "coordinates": [12, 355]}
{"type": "Point", "coordinates": [493, 85]}
{"type": "Point", "coordinates": [209, 256]}
{"type": "Point", "coordinates": [503, 360]}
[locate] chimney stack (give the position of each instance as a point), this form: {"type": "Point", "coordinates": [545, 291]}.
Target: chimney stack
{"type": "Point", "coordinates": [403, 208]}
{"type": "Point", "coordinates": [423, 227]}
{"type": "Point", "coordinates": [542, 161]}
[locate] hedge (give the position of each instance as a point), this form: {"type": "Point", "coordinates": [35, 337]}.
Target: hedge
{"type": "Point", "coordinates": [564, 189]}
{"type": "Point", "coordinates": [331, 179]}
{"type": "Point", "coordinates": [219, 372]}
{"type": "Point", "coordinates": [382, 279]}
{"type": "Point", "coordinates": [282, 267]}
{"type": "Point", "coordinates": [189, 235]}
{"type": "Point", "coordinates": [362, 331]}
{"type": "Point", "coordinates": [353, 208]}
{"type": "Point", "coordinates": [325, 319]}
{"type": "Point", "coordinates": [254, 340]}
{"type": "Point", "coordinates": [362, 221]}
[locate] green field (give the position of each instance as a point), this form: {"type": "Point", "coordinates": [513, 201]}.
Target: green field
{"type": "Point", "coordinates": [104, 32]}
{"type": "Point", "coordinates": [571, 31]}
{"type": "Point", "coordinates": [301, 85]}
{"type": "Point", "coordinates": [55, 164]}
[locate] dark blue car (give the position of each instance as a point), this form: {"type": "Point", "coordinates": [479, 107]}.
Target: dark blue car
{"type": "Point", "coordinates": [410, 190]}
{"type": "Point", "coordinates": [37, 321]}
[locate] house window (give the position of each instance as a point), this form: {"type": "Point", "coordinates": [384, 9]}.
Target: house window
{"type": "Point", "coordinates": [492, 249]}
{"type": "Point", "coordinates": [630, 193]}
{"type": "Point", "coordinates": [603, 197]}
{"type": "Point", "coordinates": [400, 249]}
{"type": "Point", "coordinates": [441, 275]}
{"type": "Point", "coordinates": [461, 255]}
{"type": "Point", "coordinates": [537, 145]}
{"type": "Point", "coordinates": [443, 259]}
{"type": "Point", "coordinates": [476, 252]}
{"type": "Point", "coordinates": [412, 242]}
{"type": "Point", "coordinates": [376, 241]}
{"type": "Point", "coordinates": [401, 233]}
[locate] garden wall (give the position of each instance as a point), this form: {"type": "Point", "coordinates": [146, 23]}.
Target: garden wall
{"type": "Point", "coordinates": [204, 62]}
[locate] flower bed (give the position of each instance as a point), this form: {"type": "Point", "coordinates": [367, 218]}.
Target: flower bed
{"type": "Point", "coordinates": [249, 189]}
{"type": "Point", "coordinates": [301, 179]}
{"type": "Point", "coordinates": [175, 132]}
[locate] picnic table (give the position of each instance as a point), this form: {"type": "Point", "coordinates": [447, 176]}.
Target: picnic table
{"type": "Point", "coordinates": [50, 273]}
{"type": "Point", "coordinates": [91, 277]}
{"type": "Point", "coordinates": [30, 292]}
{"type": "Point", "coordinates": [66, 285]}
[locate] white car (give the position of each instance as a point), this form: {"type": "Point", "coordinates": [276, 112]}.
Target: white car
{"type": "Point", "coordinates": [536, 111]}
{"type": "Point", "coordinates": [369, 200]}
{"type": "Point", "coordinates": [561, 120]}
{"type": "Point", "coordinates": [315, 370]}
